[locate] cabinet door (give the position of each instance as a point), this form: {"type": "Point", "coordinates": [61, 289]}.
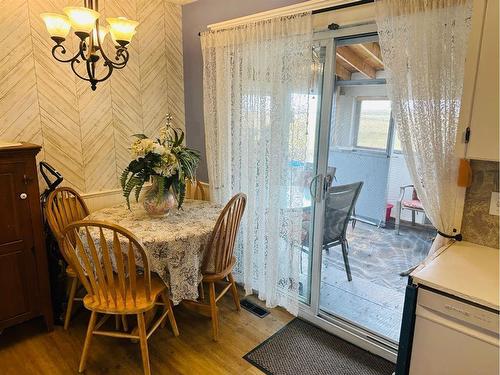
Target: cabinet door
{"type": "Point", "coordinates": [484, 122]}
{"type": "Point", "coordinates": [17, 260]}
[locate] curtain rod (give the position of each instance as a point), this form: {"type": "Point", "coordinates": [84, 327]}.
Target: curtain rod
{"type": "Point", "coordinates": [342, 6]}
{"type": "Point", "coordinates": [337, 7]}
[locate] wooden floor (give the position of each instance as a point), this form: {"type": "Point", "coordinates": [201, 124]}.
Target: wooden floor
{"type": "Point", "coordinates": [29, 349]}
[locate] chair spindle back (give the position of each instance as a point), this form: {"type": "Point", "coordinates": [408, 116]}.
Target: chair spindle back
{"type": "Point", "coordinates": [221, 245]}
{"type": "Point", "coordinates": [197, 190]}
{"type": "Point", "coordinates": [104, 256]}
{"type": "Point", "coordinates": [64, 206]}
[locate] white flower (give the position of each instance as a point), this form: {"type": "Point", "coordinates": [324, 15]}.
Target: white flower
{"type": "Point", "coordinates": [159, 149]}
{"type": "Point", "coordinates": [164, 133]}
{"type": "Point", "coordinates": [141, 147]}
{"type": "Point", "coordinates": [168, 164]}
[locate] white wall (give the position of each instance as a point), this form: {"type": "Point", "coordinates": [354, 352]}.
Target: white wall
{"type": "Point", "coordinates": [382, 185]}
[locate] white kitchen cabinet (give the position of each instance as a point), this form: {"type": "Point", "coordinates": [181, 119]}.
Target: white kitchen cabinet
{"type": "Point", "coordinates": [456, 328]}
{"type": "Point", "coordinates": [480, 104]}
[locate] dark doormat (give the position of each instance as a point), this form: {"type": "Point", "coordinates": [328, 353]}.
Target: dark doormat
{"type": "Point", "coordinates": [300, 348]}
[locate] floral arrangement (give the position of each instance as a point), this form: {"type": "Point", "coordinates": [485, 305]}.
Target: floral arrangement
{"type": "Point", "coordinates": [164, 160]}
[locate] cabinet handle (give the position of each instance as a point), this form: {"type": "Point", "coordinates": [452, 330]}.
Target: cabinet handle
{"type": "Point", "coordinates": [23, 195]}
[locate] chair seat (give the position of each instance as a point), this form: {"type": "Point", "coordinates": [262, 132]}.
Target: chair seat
{"type": "Point", "coordinates": [141, 305]}
{"type": "Point", "coordinates": [70, 271]}
{"type": "Point", "coordinates": [209, 276]}
{"type": "Point", "coordinates": [414, 204]}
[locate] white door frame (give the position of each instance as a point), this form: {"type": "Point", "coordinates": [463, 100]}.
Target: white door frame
{"type": "Point", "coordinates": [358, 336]}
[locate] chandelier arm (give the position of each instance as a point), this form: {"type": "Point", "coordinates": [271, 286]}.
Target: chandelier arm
{"type": "Point", "coordinates": [84, 47]}
{"type": "Point", "coordinates": [76, 73]}
{"type": "Point", "coordinates": [63, 51]}
{"type": "Point", "coordinates": [108, 74]}
{"type": "Point", "coordinates": [121, 53]}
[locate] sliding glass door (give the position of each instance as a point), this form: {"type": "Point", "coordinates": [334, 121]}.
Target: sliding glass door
{"type": "Point", "coordinates": [352, 257]}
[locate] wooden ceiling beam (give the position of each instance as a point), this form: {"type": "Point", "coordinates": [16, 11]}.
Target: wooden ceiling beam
{"type": "Point", "coordinates": [373, 49]}
{"type": "Point", "coordinates": [342, 72]}
{"type": "Point", "coordinates": [357, 62]}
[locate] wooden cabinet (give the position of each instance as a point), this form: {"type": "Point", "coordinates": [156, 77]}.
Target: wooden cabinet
{"type": "Point", "coordinates": [24, 282]}
{"type": "Point", "coordinates": [480, 98]}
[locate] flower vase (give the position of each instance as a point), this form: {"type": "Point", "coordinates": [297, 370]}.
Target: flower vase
{"type": "Point", "coordinates": [158, 199]}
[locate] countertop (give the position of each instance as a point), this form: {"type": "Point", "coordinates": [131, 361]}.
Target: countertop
{"type": "Point", "coordinates": [465, 270]}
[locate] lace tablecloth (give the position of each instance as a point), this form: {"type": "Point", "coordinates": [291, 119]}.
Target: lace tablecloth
{"type": "Point", "coordinates": [175, 244]}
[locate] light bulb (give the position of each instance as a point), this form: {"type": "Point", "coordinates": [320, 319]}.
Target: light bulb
{"type": "Point", "coordinates": [57, 25]}
{"type": "Point", "coordinates": [103, 31]}
{"type": "Point", "coordinates": [82, 19]}
{"type": "Point", "coordinates": [122, 29]}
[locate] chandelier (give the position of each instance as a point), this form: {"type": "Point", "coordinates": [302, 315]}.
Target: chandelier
{"type": "Point", "coordinates": [98, 67]}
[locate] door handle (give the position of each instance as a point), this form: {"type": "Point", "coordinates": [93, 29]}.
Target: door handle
{"type": "Point", "coordinates": [23, 196]}
{"type": "Point", "coordinates": [314, 194]}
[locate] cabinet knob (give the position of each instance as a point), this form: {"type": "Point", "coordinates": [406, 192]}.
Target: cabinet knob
{"type": "Point", "coordinates": [23, 195]}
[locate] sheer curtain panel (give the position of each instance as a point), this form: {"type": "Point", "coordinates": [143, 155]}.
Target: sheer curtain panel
{"type": "Point", "coordinates": [256, 79]}
{"type": "Point", "coordinates": [423, 45]}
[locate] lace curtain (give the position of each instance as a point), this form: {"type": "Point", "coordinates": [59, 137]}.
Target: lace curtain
{"type": "Point", "coordinates": [423, 45]}
{"type": "Point", "coordinates": [255, 84]}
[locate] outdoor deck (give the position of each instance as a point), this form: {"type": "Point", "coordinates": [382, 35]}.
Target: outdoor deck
{"type": "Point", "coordinates": [374, 298]}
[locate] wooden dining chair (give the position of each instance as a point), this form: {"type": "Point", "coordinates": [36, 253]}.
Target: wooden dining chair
{"type": "Point", "coordinates": [107, 258]}
{"type": "Point", "coordinates": [219, 260]}
{"type": "Point", "coordinates": [197, 190]}
{"type": "Point", "coordinates": [65, 206]}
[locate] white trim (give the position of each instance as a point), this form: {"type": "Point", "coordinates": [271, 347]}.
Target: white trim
{"type": "Point", "coordinates": [106, 198]}
{"type": "Point", "coordinates": [306, 6]}
{"type": "Point", "coordinates": [102, 199]}
{"type": "Point", "coordinates": [101, 193]}
{"type": "Point", "coordinates": [353, 336]}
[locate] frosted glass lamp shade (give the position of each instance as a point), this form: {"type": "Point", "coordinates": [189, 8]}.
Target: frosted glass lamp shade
{"type": "Point", "coordinates": [82, 19]}
{"type": "Point", "coordinates": [115, 42]}
{"type": "Point", "coordinates": [122, 29]}
{"type": "Point", "coordinates": [57, 25]}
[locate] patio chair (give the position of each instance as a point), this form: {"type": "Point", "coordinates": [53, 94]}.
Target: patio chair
{"type": "Point", "coordinates": [414, 205]}
{"type": "Point", "coordinates": [306, 211]}
{"type": "Point", "coordinates": [339, 204]}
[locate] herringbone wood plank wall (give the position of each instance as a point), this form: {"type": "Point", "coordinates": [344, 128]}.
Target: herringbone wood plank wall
{"type": "Point", "coordinates": [86, 134]}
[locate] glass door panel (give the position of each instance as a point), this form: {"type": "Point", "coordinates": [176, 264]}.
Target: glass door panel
{"type": "Point", "coordinates": [352, 259]}
{"type": "Point", "coordinates": [310, 175]}
{"type": "Point", "coordinates": [354, 283]}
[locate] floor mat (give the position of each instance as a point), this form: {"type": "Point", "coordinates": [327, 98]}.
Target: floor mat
{"type": "Point", "coordinates": [300, 348]}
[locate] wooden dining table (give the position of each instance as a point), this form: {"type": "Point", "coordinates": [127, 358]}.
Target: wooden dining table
{"type": "Point", "coordinates": [175, 244]}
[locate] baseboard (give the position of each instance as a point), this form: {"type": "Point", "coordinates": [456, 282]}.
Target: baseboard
{"type": "Point", "coordinates": [102, 199]}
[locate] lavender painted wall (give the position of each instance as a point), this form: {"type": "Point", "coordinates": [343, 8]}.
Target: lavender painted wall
{"type": "Point", "coordinates": [195, 18]}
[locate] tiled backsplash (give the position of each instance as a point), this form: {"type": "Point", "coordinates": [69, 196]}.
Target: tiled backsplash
{"type": "Point", "coordinates": [478, 226]}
